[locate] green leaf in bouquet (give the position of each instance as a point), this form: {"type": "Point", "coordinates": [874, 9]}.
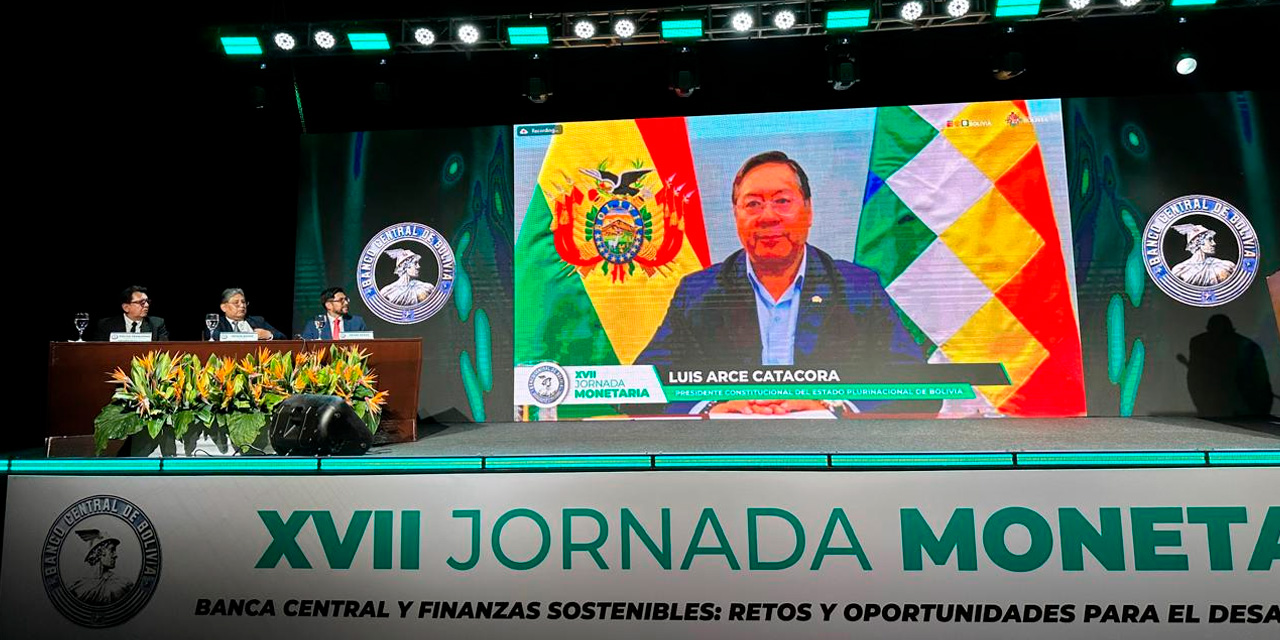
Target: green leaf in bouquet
{"type": "Point", "coordinates": [372, 419]}
{"type": "Point", "coordinates": [360, 409]}
{"type": "Point", "coordinates": [114, 423]}
{"type": "Point", "coordinates": [244, 426]}
{"type": "Point", "coordinates": [181, 422]}
{"type": "Point", "coordinates": [155, 426]}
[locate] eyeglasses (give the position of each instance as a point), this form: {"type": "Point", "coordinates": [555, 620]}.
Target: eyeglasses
{"type": "Point", "coordinates": [143, 302]}
{"type": "Point", "coordinates": [240, 303]}
{"type": "Point", "coordinates": [339, 300]}
{"type": "Point", "coordinates": [781, 204]}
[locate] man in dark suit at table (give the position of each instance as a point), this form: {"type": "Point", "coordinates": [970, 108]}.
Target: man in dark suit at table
{"type": "Point", "coordinates": [137, 318]}
{"type": "Point", "coordinates": [337, 319]}
{"type": "Point", "coordinates": [236, 318]}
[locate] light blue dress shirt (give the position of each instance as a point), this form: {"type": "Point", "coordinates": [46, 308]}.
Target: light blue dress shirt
{"type": "Point", "coordinates": [778, 318]}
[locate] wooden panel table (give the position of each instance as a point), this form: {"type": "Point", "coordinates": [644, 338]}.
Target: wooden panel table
{"type": "Point", "coordinates": [78, 373]}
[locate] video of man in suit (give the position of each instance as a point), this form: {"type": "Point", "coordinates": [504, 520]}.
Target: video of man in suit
{"type": "Point", "coordinates": [889, 262]}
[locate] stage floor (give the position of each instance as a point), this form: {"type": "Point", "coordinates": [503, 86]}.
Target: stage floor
{"type": "Point", "coordinates": [837, 436]}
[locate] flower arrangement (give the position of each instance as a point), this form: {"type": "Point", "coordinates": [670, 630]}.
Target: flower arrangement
{"type": "Point", "coordinates": [168, 398]}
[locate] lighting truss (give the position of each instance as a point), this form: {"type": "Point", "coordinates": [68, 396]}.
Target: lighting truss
{"type": "Point", "coordinates": [716, 20]}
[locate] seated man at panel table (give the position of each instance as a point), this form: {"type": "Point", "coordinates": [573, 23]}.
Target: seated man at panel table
{"type": "Point", "coordinates": [236, 318]}
{"type": "Point", "coordinates": [137, 318]}
{"type": "Point", "coordinates": [337, 319]}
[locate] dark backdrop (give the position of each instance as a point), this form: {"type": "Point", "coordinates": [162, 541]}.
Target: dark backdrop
{"type": "Point", "coordinates": [144, 157]}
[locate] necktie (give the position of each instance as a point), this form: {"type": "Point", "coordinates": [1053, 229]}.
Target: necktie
{"type": "Point", "coordinates": [336, 330]}
{"type": "Point", "coordinates": [133, 328]}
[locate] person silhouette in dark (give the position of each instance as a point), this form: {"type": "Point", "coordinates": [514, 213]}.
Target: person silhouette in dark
{"type": "Point", "coordinates": [1226, 374]}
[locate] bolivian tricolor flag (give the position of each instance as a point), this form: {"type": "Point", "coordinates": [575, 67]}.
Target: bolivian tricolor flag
{"type": "Point", "coordinates": [613, 225]}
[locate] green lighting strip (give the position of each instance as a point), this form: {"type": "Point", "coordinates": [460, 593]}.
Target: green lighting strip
{"type": "Point", "coordinates": [570, 462]}
{"type": "Point", "coordinates": [266, 465]}
{"type": "Point", "coordinates": [923, 460]}
{"type": "Point", "coordinates": [83, 466]}
{"type": "Point", "coordinates": [1017, 8]}
{"type": "Point", "coordinates": [1244, 458]}
{"type": "Point", "coordinates": [368, 41]}
{"type": "Point", "coordinates": [399, 465]}
{"type": "Point", "coordinates": [848, 19]}
{"type": "Point", "coordinates": [675, 29]}
{"type": "Point", "coordinates": [248, 464]}
{"type": "Point", "coordinates": [740, 461]}
{"type": "Point", "coordinates": [241, 46]}
{"type": "Point", "coordinates": [528, 36]}
{"type": "Point", "coordinates": [1113, 459]}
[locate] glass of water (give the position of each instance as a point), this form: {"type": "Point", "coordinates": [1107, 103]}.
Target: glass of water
{"type": "Point", "coordinates": [319, 326]}
{"type": "Point", "coordinates": [82, 323]}
{"type": "Point", "coordinates": [211, 323]}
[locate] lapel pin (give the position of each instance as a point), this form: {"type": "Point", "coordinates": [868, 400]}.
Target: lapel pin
{"type": "Point", "coordinates": [816, 299]}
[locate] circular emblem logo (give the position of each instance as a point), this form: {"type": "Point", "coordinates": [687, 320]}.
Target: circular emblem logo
{"type": "Point", "coordinates": [101, 561]}
{"type": "Point", "coordinates": [1200, 250]}
{"type": "Point", "coordinates": [408, 252]}
{"type": "Point", "coordinates": [618, 231]}
{"type": "Point", "coordinates": [548, 384]}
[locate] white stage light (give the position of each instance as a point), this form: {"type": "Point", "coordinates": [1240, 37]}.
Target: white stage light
{"type": "Point", "coordinates": [584, 29]}
{"type": "Point", "coordinates": [1078, 5]}
{"type": "Point", "coordinates": [742, 21]}
{"type": "Point", "coordinates": [784, 19]}
{"type": "Point", "coordinates": [469, 33]}
{"type": "Point", "coordinates": [325, 39]}
{"type": "Point", "coordinates": [957, 8]}
{"type": "Point", "coordinates": [911, 11]}
{"type": "Point", "coordinates": [624, 28]}
{"type": "Point", "coordinates": [424, 36]}
{"type": "Point", "coordinates": [285, 41]}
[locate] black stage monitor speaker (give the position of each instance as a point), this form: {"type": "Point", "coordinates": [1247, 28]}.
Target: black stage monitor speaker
{"type": "Point", "coordinates": [317, 425]}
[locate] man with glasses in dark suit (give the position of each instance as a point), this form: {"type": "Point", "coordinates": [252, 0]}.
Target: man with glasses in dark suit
{"type": "Point", "coordinates": [137, 318]}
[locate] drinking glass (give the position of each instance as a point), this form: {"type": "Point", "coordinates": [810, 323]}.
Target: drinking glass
{"type": "Point", "coordinates": [82, 323]}
{"type": "Point", "coordinates": [211, 322]}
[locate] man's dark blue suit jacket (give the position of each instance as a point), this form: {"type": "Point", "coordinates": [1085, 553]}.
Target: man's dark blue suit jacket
{"type": "Point", "coordinates": [846, 321]}
{"type": "Point", "coordinates": [349, 323]}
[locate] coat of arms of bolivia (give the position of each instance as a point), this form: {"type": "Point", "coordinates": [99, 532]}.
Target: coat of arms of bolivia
{"type": "Point", "coordinates": [619, 221]}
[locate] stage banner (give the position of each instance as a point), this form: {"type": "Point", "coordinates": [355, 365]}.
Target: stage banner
{"type": "Point", "coordinates": [894, 261]}
{"type": "Point", "coordinates": [415, 226]}
{"type": "Point", "coordinates": [1174, 207]}
{"type": "Point", "coordinates": [1167, 553]}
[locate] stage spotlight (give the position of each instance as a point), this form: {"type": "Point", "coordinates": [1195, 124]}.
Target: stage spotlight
{"type": "Point", "coordinates": [1078, 5]}
{"type": "Point", "coordinates": [285, 41]}
{"type": "Point", "coordinates": [624, 28]}
{"type": "Point", "coordinates": [957, 8]}
{"type": "Point", "coordinates": [469, 33]}
{"type": "Point", "coordinates": [742, 21]}
{"type": "Point", "coordinates": [842, 70]}
{"type": "Point", "coordinates": [584, 29]}
{"type": "Point", "coordinates": [784, 19]}
{"type": "Point", "coordinates": [1185, 64]}
{"type": "Point", "coordinates": [425, 37]}
{"type": "Point", "coordinates": [1129, 4]}
{"type": "Point", "coordinates": [324, 39]}
{"type": "Point", "coordinates": [684, 72]}
{"type": "Point", "coordinates": [537, 81]}
{"type": "Point", "coordinates": [911, 10]}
